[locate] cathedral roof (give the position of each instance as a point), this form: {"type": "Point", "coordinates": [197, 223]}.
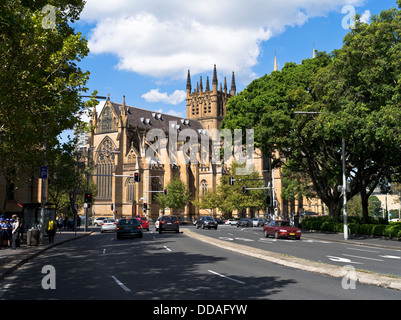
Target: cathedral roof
{"type": "Point", "coordinates": [147, 119]}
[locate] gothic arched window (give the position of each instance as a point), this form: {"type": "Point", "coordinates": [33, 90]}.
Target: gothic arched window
{"type": "Point", "coordinates": [105, 169]}
{"type": "Point", "coordinates": [107, 120]}
{"type": "Point", "coordinates": [203, 187]}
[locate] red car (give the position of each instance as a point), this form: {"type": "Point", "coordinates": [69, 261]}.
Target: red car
{"type": "Point", "coordinates": [281, 229]}
{"type": "Point", "coordinates": [144, 223]}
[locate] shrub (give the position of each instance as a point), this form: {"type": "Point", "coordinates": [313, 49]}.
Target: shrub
{"type": "Point", "coordinates": [378, 230]}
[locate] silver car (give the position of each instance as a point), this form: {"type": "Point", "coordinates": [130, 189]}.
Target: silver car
{"type": "Point", "coordinates": [108, 225]}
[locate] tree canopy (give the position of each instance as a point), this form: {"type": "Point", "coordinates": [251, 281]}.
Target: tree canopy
{"type": "Point", "coordinates": [40, 81]}
{"type": "Point", "coordinates": [355, 92]}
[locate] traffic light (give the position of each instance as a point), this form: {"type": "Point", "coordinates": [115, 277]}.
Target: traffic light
{"type": "Point", "coordinates": [88, 197]}
{"type": "Point", "coordinates": [244, 189]}
{"type": "Point", "coordinates": [137, 177]}
{"type": "Point", "coordinates": [165, 192]}
{"type": "Point", "coordinates": [145, 205]}
{"type": "Point", "coordinates": [231, 181]}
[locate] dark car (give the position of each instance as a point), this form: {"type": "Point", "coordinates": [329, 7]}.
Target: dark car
{"type": "Point", "coordinates": [206, 222]}
{"type": "Point", "coordinates": [281, 229]}
{"type": "Point", "coordinates": [245, 223]}
{"type": "Point", "coordinates": [129, 228]}
{"type": "Point", "coordinates": [169, 223]}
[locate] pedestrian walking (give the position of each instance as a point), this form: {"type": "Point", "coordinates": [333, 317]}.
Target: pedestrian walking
{"type": "Point", "coordinates": [59, 224]}
{"type": "Point", "coordinates": [51, 230]}
{"type": "Point", "coordinates": [15, 232]}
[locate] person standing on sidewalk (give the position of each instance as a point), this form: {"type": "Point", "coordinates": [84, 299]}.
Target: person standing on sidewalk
{"type": "Point", "coordinates": [15, 232]}
{"type": "Point", "coordinates": [51, 230]}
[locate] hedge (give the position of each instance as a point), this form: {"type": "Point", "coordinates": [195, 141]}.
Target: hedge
{"type": "Point", "coordinates": [375, 228]}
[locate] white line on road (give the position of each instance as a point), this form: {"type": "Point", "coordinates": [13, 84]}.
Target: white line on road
{"type": "Point", "coordinates": [168, 249]}
{"type": "Point", "coordinates": [363, 250]}
{"type": "Point", "coordinates": [391, 257]}
{"type": "Point", "coordinates": [348, 255]}
{"type": "Point", "coordinates": [223, 276]}
{"type": "Point", "coordinates": [121, 284]}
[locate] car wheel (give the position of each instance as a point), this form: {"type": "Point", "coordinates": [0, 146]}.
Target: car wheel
{"type": "Point", "coordinates": [215, 228]}
{"type": "Point", "coordinates": [265, 233]}
{"type": "Point", "coordinates": [177, 231]}
{"type": "Point", "coordinates": [203, 226]}
{"type": "Point", "coordinates": [160, 230]}
{"type": "Point", "coordinates": [141, 235]}
{"type": "Point", "coordinates": [298, 238]}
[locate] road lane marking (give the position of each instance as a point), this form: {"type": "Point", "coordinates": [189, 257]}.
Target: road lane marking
{"type": "Point", "coordinates": [363, 250]}
{"type": "Point", "coordinates": [339, 259]}
{"type": "Point", "coordinates": [359, 257]}
{"type": "Point", "coordinates": [391, 257]}
{"type": "Point", "coordinates": [168, 249]}
{"type": "Point", "coordinates": [121, 284]}
{"type": "Point", "coordinates": [223, 276]}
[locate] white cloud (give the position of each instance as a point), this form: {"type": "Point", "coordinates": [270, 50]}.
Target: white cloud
{"type": "Point", "coordinates": [156, 96]}
{"type": "Point", "coordinates": [365, 17]}
{"type": "Point", "coordinates": [165, 38]}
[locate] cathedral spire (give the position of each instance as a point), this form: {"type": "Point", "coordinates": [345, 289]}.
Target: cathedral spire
{"type": "Point", "coordinates": [189, 86]}
{"type": "Point", "coordinates": [215, 76]}
{"type": "Point", "coordinates": [275, 61]}
{"type": "Point", "coordinates": [207, 84]}
{"type": "Point", "coordinates": [233, 86]}
{"type": "Point", "coordinates": [314, 53]}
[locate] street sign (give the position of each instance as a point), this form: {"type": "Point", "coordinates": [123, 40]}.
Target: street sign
{"type": "Point", "coordinates": [43, 172]}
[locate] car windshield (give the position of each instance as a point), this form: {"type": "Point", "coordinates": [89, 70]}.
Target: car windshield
{"type": "Point", "coordinates": [209, 218]}
{"type": "Point", "coordinates": [128, 222]}
{"type": "Point", "coordinates": [169, 219]}
{"type": "Point", "coordinates": [283, 223]}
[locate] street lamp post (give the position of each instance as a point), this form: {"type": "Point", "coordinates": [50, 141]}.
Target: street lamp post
{"type": "Point", "coordinates": [344, 187]}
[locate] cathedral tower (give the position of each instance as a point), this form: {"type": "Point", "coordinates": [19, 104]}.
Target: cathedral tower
{"type": "Point", "coordinates": [209, 106]}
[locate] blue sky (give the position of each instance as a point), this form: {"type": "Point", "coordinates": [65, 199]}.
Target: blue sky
{"type": "Point", "coordinates": [143, 50]}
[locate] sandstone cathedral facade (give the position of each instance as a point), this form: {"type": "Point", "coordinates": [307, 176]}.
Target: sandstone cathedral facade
{"type": "Point", "coordinates": [120, 143]}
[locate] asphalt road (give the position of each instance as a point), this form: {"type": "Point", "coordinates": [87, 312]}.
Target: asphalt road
{"type": "Point", "coordinates": [378, 259]}
{"type": "Point", "coordinates": [168, 266]}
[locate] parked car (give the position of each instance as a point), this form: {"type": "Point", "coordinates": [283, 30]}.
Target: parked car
{"type": "Point", "coordinates": [108, 225]}
{"type": "Point", "coordinates": [244, 223]}
{"type": "Point", "coordinates": [231, 222]}
{"type": "Point", "coordinates": [258, 222]}
{"type": "Point", "coordinates": [281, 229]}
{"type": "Point", "coordinates": [168, 223]}
{"type": "Point", "coordinates": [206, 222]}
{"type": "Point", "coordinates": [129, 228]}
{"type": "Point", "coordinates": [144, 222]}
{"type": "Point", "coordinates": [98, 221]}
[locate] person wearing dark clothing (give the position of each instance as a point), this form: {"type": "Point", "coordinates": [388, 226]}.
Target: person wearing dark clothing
{"type": "Point", "coordinates": [15, 233]}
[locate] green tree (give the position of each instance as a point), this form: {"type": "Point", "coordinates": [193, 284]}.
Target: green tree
{"type": "Point", "coordinates": [356, 92]}
{"type": "Point", "coordinates": [68, 181]}
{"type": "Point", "coordinates": [209, 201]}
{"type": "Point", "coordinates": [177, 195]}
{"type": "Point", "coordinates": [40, 82]}
{"type": "Point", "coordinates": [232, 197]}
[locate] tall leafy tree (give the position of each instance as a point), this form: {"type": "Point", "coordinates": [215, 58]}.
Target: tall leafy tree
{"type": "Point", "coordinates": [40, 82]}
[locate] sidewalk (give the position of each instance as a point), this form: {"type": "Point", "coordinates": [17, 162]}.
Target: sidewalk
{"type": "Point", "coordinates": [10, 260]}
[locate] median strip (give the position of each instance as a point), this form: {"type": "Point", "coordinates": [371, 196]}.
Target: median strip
{"type": "Point", "coordinates": [299, 263]}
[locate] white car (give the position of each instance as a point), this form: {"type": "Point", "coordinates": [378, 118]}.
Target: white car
{"type": "Point", "coordinates": [258, 222]}
{"type": "Point", "coordinates": [231, 222]}
{"type": "Point", "coordinates": [98, 221]}
{"type": "Point", "coordinates": [108, 225]}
